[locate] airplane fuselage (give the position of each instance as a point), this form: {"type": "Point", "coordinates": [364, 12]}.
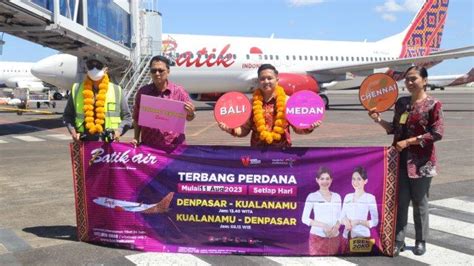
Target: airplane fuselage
{"type": "Point", "coordinates": [221, 63]}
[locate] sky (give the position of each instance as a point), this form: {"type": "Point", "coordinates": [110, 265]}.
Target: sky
{"type": "Point", "coordinates": [344, 20]}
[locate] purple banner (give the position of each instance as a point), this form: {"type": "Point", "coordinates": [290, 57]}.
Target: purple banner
{"type": "Point", "coordinates": [237, 200]}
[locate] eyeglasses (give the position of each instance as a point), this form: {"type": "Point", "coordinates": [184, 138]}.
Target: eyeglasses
{"type": "Point", "coordinates": [91, 64]}
{"type": "Point", "coordinates": [159, 70]}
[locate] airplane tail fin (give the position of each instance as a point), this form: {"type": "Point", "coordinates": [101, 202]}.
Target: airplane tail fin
{"type": "Point", "coordinates": [424, 33]}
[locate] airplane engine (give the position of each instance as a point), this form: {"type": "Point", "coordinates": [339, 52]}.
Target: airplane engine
{"type": "Point", "coordinates": [206, 96]}
{"type": "Point", "coordinates": [297, 82]}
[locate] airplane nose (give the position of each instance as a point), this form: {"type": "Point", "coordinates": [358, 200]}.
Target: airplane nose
{"type": "Point", "coordinates": [60, 70]}
{"type": "Point", "coordinates": [46, 68]}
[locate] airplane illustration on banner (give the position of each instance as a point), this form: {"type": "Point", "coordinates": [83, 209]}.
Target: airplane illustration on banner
{"type": "Point", "coordinates": [208, 65]}
{"type": "Point", "coordinates": [123, 205]}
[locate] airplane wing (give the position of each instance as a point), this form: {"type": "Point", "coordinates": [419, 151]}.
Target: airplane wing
{"type": "Point", "coordinates": [397, 64]}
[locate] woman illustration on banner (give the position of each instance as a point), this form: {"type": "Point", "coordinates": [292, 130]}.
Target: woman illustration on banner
{"type": "Point", "coordinates": [267, 123]}
{"type": "Point", "coordinates": [326, 206]}
{"type": "Point", "coordinates": [417, 124]}
{"type": "Point", "coordinates": [355, 210]}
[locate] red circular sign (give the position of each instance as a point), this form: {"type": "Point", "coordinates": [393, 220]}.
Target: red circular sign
{"type": "Point", "coordinates": [233, 109]}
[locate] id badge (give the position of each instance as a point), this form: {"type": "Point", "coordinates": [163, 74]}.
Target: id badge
{"type": "Point", "coordinates": [403, 118]}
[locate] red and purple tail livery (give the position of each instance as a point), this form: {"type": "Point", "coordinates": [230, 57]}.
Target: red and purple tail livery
{"type": "Point", "coordinates": [424, 34]}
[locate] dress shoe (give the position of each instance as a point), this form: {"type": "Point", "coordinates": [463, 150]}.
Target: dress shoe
{"type": "Point", "coordinates": [399, 247]}
{"type": "Point", "coordinates": [420, 248]}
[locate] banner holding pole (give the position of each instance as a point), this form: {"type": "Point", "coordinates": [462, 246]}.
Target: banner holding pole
{"type": "Point", "coordinates": [235, 200]}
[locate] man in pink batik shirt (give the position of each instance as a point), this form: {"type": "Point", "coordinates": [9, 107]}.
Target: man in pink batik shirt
{"type": "Point", "coordinates": [161, 87]}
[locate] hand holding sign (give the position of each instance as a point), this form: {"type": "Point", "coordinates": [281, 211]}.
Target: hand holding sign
{"type": "Point", "coordinates": [163, 114]}
{"type": "Point", "coordinates": [378, 92]}
{"type": "Point", "coordinates": [304, 109]}
{"type": "Point", "coordinates": [232, 110]}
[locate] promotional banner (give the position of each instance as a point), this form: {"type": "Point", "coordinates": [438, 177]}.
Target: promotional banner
{"type": "Point", "coordinates": [164, 114]}
{"type": "Point", "coordinates": [236, 200]}
{"type": "Point", "coordinates": [378, 91]}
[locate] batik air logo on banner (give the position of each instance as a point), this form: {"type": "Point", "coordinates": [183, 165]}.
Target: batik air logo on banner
{"type": "Point", "coordinates": [205, 56]}
{"type": "Point", "coordinates": [121, 157]}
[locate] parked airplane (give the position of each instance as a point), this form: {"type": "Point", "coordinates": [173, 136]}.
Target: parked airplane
{"type": "Point", "coordinates": [210, 64]}
{"type": "Point", "coordinates": [440, 82]}
{"type": "Point", "coordinates": [18, 75]}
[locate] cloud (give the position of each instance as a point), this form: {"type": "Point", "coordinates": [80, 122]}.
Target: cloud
{"type": "Point", "coordinates": [390, 7]}
{"type": "Point", "coordinates": [298, 3]}
{"type": "Point", "coordinates": [389, 17]}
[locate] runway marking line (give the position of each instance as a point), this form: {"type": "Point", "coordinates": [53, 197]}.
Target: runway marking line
{"type": "Point", "coordinates": [28, 138]}
{"type": "Point", "coordinates": [450, 226]}
{"type": "Point", "coordinates": [459, 204]}
{"type": "Point", "coordinates": [202, 130]}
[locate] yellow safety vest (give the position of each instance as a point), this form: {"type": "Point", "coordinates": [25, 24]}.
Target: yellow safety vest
{"type": "Point", "coordinates": [112, 106]}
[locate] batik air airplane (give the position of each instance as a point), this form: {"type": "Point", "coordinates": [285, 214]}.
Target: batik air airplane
{"type": "Point", "coordinates": [205, 65]}
{"type": "Point", "coordinates": [451, 80]}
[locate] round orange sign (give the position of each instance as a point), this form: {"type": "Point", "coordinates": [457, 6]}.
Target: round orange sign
{"type": "Point", "coordinates": [379, 91]}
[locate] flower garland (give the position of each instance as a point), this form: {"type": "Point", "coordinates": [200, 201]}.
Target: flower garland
{"type": "Point", "coordinates": [94, 112]}
{"type": "Point", "coordinates": [259, 119]}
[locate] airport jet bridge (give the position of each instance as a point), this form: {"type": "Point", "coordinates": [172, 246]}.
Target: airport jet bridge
{"type": "Point", "coordinates": [126, 32]}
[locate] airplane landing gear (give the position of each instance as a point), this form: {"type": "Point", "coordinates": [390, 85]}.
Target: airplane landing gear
{"type": "Point", "coordinates": [325, 100]}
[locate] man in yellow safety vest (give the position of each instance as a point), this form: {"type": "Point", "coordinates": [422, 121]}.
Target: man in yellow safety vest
{"type": "Point", "coordinates": [96, 107]}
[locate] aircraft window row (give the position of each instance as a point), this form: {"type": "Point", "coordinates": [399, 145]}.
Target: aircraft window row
{"type": "Point", "coordinates": [325, 58]}
{"type": "Point", "coordinates": [14, 70]}
{"type": "Point", "coordinates": [212, 56]}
